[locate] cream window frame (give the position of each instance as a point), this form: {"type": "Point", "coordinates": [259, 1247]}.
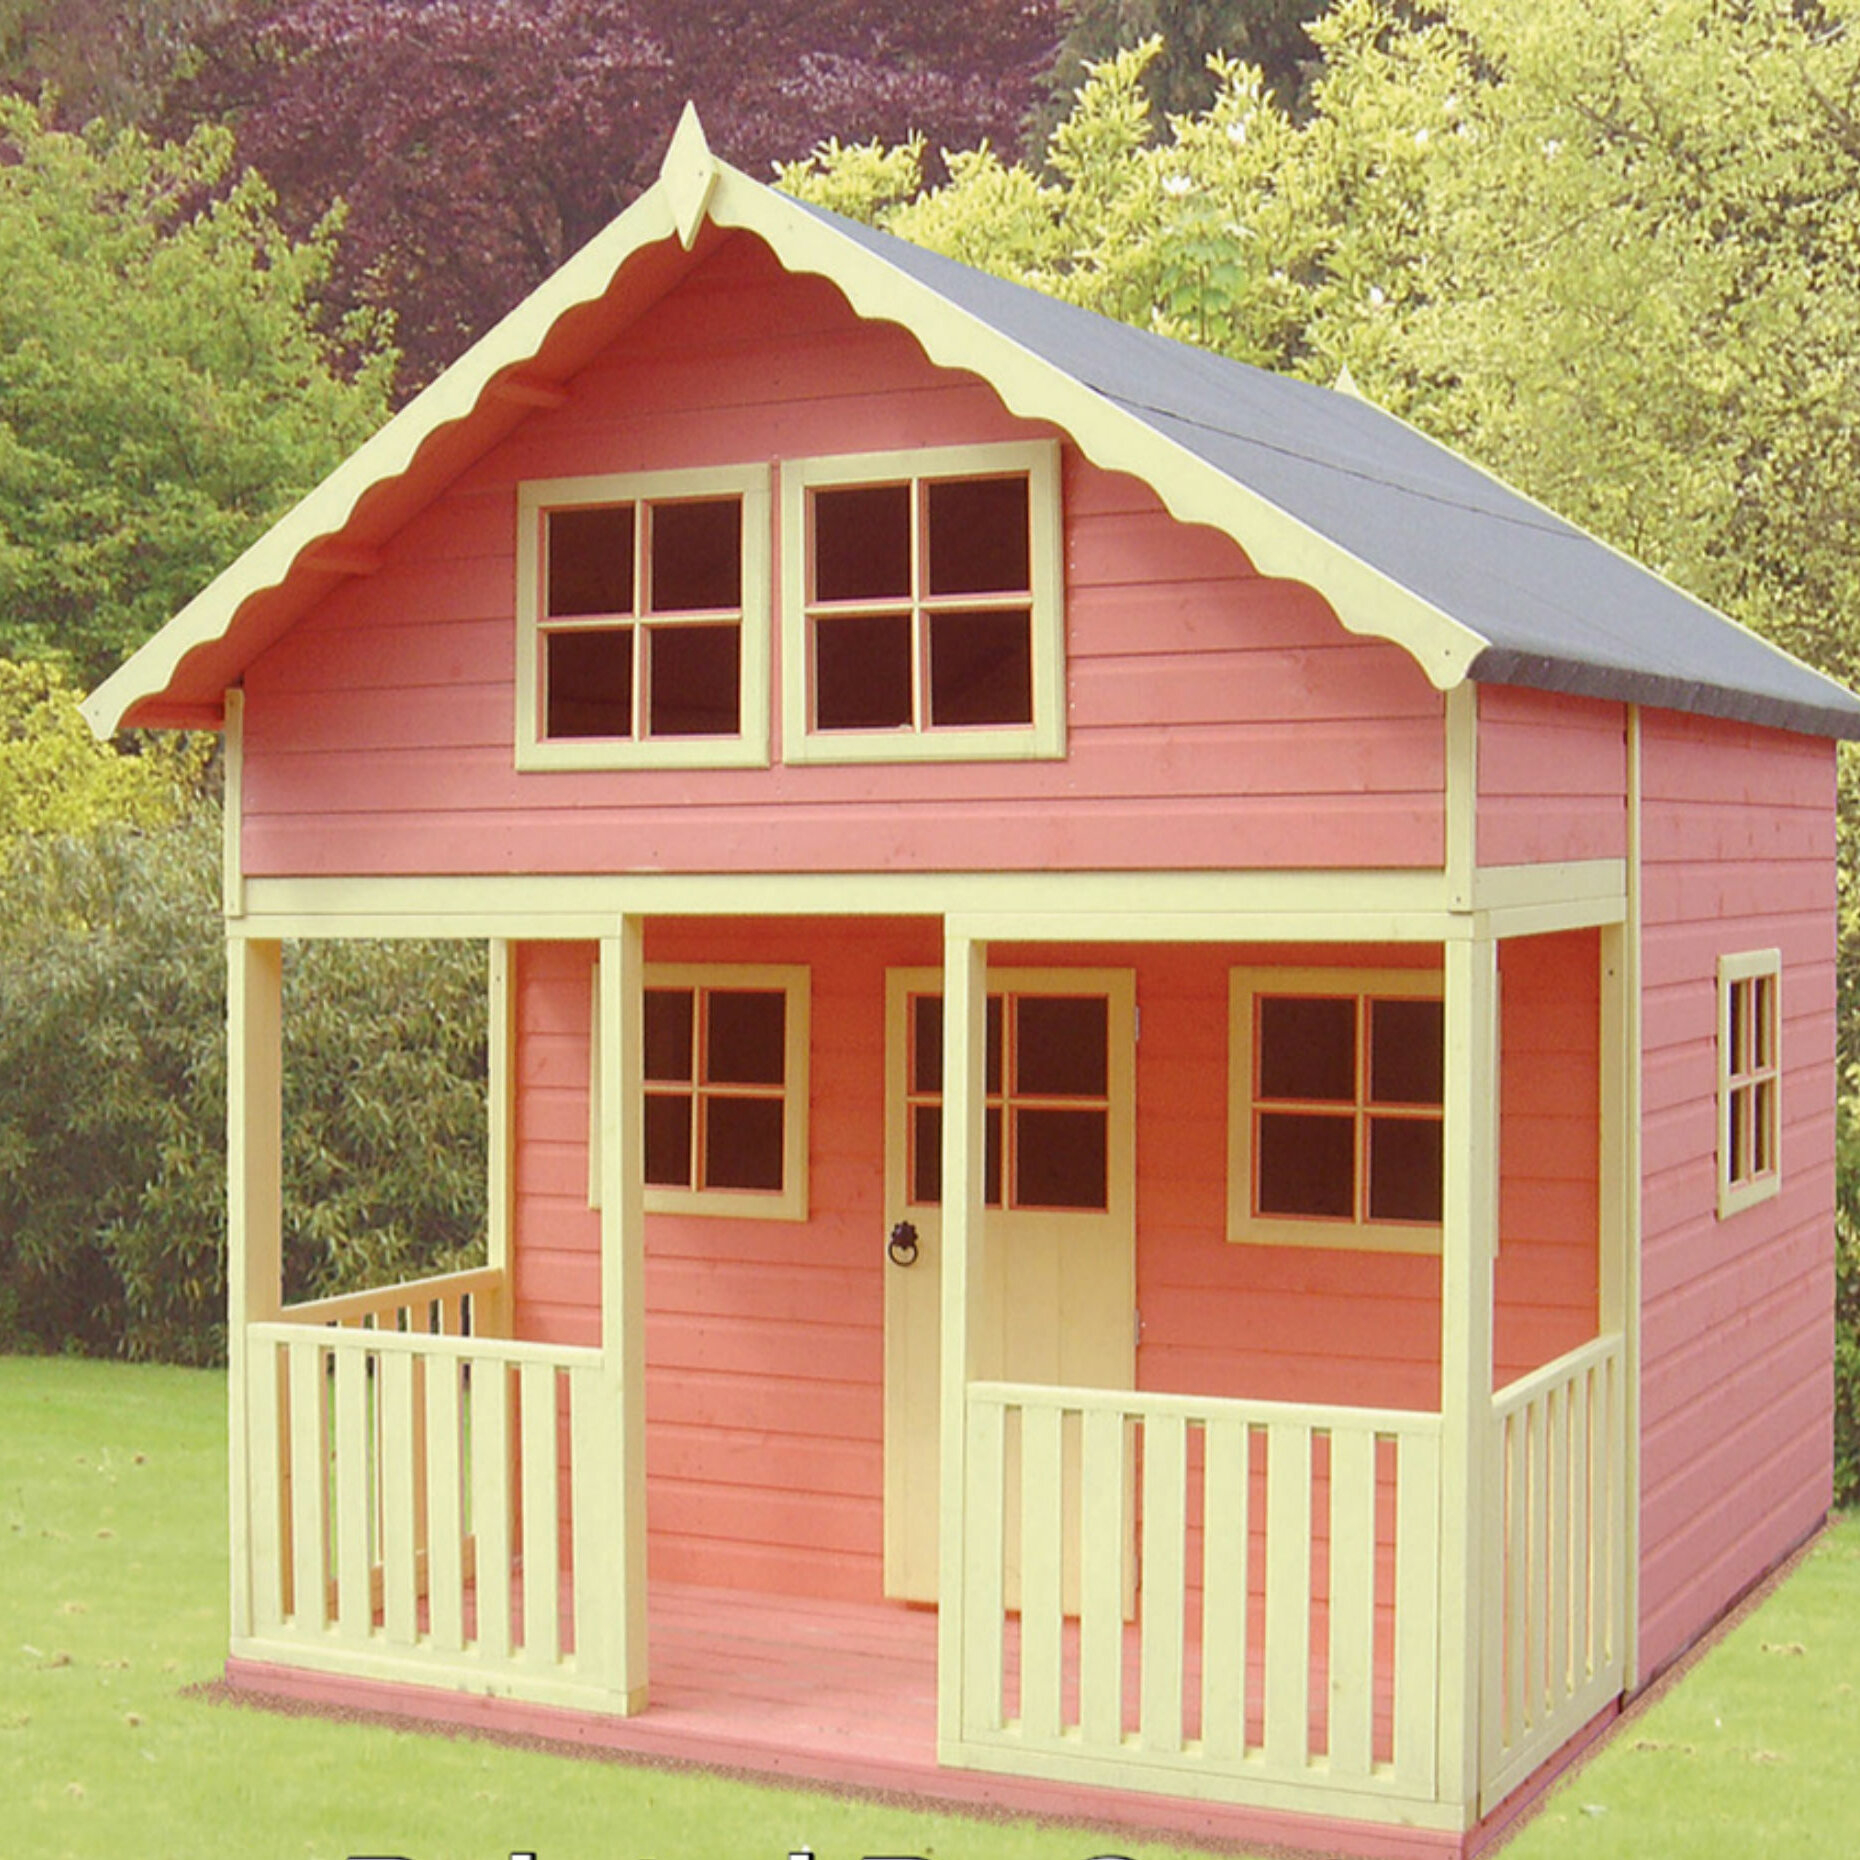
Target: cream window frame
{"type": "Point", "coordinates": [1360, 1233]}
{"type": "Point", "coordinates": [1044, 737]}
{"type": "Point", "coordinates": [1741, 1184]}
{"type": "Point", "coordinates": [795, 984]}
{"type": "Point", "coordinates": [749, 748]}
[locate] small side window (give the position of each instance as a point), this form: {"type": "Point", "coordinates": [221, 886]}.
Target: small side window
{"type": "Point", "coordinates": [1749, 1079]}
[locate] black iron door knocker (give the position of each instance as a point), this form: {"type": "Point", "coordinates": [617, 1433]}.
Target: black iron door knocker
{"type": "Point", "coordinates": [903, 1245]}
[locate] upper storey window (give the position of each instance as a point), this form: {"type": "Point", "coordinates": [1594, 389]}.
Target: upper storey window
{"type": "Point", "coordinates": [922, 611]}
{"type": "Point", "coordinates": [643, 620]}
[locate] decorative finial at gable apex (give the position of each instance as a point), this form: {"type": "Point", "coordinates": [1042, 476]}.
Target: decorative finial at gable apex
{"type": "Point", "coordinates": [1345, 383]}
{"type": "Point", "coordinates": [687, 174]}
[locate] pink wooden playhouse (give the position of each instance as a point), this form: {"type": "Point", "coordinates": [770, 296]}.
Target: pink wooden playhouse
{"type": "Point", "coordinates": [1162, 1065]}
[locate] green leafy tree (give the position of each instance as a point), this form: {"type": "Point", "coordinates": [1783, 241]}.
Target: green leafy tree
{"type": "Point", "coordinates": [112, 1127]}
{"type": "Point", "coordinates": [55, 777]}
{"type": "Point", "coordinates": [165, 387]}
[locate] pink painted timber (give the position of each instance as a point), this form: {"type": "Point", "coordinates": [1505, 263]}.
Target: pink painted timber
{"type": "Point", "coordinates": [1737, 1314]}
{"type": "Point", "coordinates": [1218, 719]}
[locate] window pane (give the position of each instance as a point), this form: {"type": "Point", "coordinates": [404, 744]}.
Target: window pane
{"type": "Point", "coordinates": [991, 1060]}
{"type": "Point", "coordinates": [927, 1154]}
{"type": "Point", "coordinates": [1060, 1159]}
{"type": "Point", "coordinates": [1407, 1052]}
{"type": "Point", "coordinates": [742, 1143]}
{"type": "Point", "coordinates": [927, 1043]}
{"type": "Point", "coordinates": [1740, 1024]}
{"type": "Point", "coordinates": [1763, 1020]}
{"type": "Point", "coordinates": [668, 1034]}
{"type": "Point", "coordinates": [991, 1156]}
{"type": "Point", "coordinates": [1061, 1046]}
{"type": "Point", "coordinates": [1763, 1127]}
{"type": "Point", "coordinates": [697, 555]}
{"type": "Point", "coordinates": [1307, 1164]}
{"type": "Point", "coordinates": [590, 561]}
{"type": "Point", "coordinates": [746, 1042]}
{"type": "Point", "coordinates": [590, 683]}
{"type": "Point", "coordinates": [1738, 1168]}
{"type": "Point", "coordinates": [862, 543]}
{"type": "Point", "coordinates": [862, 672]}
{"type": "Point", "coordinates": [668, 1140]}
{"type": "Point", "coordinates": [981, 668]}
{"type": "Point", "coordinates": [1307, 1048]}
{"type": "Point", "coordinates": [693, 690]}
{"type": "Point", "coordinates": [1405, 1171]}
{"type": "Point", "coordinates": [978, 536]}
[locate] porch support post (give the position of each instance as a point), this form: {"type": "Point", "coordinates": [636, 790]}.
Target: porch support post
{"type": "Point", "coordinates": [1467, 1248]}
{"type": "Point", "coordinates": [254, 1219]}
{"type": "Point", "coordinates": [622, 1484]}
{"type": "Point", "coordinates": [965, 1042]}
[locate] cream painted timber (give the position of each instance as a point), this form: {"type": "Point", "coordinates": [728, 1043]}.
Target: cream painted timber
{"type": "Point", "coordinates": [431, 1306]}
{"type": "Point", "coordinates": [1226, 906]}
{"type": "Point", "coordinates": [1058, 1290]}
{"type": "Point", "coordinates": [1628, 1271]}
{"type": "Point", "coordinates": [500, 1176]}
{"type": "Point", "coordinates": [254, 1242]}
{"type": "Point", "coordinates": [1075, 1720]}
{"type": "Point", "coordinates": [1468, 1249]}
{"type": "Point", "coordinates": [1555, 1620]}
{"type": "Point", "coordinates": [965, 1099]}
{"type": "Point", "coordinates": [616, 1524]}
{"type": "Point", "coordinates": [232, 806]}
{"type": "Point", "coordinates": [1462, 796]}
{"type": "Point", "coordinates": [1045, 735]}
{"type": "Point", "coordinates": [749, 746]}
{"type": "Point", "coordinates": [694, 187]}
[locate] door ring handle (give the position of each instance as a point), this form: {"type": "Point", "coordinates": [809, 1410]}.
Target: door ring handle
{"type": "Point", "coordinates": [902, 1246]}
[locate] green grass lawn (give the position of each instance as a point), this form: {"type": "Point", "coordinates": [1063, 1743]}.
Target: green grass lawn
{"type": "Point", "coordinates": [112, 1547]}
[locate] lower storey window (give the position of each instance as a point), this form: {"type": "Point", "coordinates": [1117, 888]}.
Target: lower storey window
{"type": "Point", "coordinates": [1335, 1108]}
{"type": "Point", "coordinates": [725, 1090]}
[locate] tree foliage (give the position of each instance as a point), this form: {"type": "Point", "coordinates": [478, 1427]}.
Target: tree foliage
{"type": "Point", "coordinates": [477, 143]}
{"type": "Point", "coordinates": [166, 386]}
{"type": "Point", "coordinates": [55, 777]}
{"type": "Point", "coordinates": [108, 58]}
{"type": "Point", "coordinates": [112, 1144]}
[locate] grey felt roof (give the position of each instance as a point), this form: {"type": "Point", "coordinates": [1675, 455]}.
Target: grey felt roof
{"type": "Point", "coordinates": [1559, 609]}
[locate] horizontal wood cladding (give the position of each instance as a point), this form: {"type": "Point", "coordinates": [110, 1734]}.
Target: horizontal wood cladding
{"type": "Point", "coordinates": [1552, 777]}
{"type": "Point", "coordinates": [1216, 718]}
{"type": "Point", "coordinates": [1737, 1313]}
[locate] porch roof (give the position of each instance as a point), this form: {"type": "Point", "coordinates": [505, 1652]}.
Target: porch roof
{"type": "Point", "coordinates": [1408, 541]}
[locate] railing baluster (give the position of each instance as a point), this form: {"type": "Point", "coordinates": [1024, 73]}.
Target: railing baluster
{"type": "Point", "coordinates": [1103, 1536]}
{"type": "Point", "coordinates": [1288, 1595]}
{"type": "Point", "coordinates": [354, 1602]}
{"type": "Point", "coordinates": [445, 1576]}
{"type": "Point", "coordinates": [398, 1476]}
{"type": "Point", "coordinates": [541, 1555]}
{"type": "Point", "coordinates": [1165, 1481]}
{"type": "Point", "coordinates": [1224, 1559]}
{"type": "Point", "coordinates": [1042, 1526]}
{"type": "Point", "coordinates": [1351, 1715]}
{"type": "Point", "coordinates": [490, 1503]}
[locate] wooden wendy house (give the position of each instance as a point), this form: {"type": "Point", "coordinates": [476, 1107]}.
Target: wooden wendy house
{"type": "Point", "coordinates": [1162, 1089]}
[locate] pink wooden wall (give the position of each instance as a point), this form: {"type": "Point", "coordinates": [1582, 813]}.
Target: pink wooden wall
{"type": "Point", "coordinates": [764, 1340]}
{"type": "Point", "coordinates": [1552, 777]}
{"type": "Point", "coordinates": [1218, 719]}
{"type": "Point", "coordinates": [1737, 1315]}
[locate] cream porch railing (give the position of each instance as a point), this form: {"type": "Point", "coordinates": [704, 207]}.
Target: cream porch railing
{"type": "Point", "coordinates": [1555, 1577]}
{"type": "Point", "coordinates": [432, 1507]}
{"type": "Point", "coordinates": [1278, 1644]}
{"type": "Point", "coordinates": [452, 1304]}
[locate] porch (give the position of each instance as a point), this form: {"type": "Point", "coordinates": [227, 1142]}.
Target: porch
{"type": "Point", "coordinates": [432, 1508]}
{"type": "Point", "coordinates": [1375, 1593]}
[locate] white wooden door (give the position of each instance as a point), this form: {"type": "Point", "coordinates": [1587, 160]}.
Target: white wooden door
{"type": "Point", "coordinates": [1059, 1250]}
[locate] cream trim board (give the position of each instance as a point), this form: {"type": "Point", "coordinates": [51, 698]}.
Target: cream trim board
{"type": "Point", "coordinates": [790, 1202]}
{"type": "Point", "coordinates": [1750, 1017]}
{"type": "Point", "coordinates": [1045, 735]}
{"type": "Point", "coordinates": [1358, 1233]}
{"type": "Point", "coordinates": [232, 805]}
{"type": "Point", "coordinates": [749, 746]}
